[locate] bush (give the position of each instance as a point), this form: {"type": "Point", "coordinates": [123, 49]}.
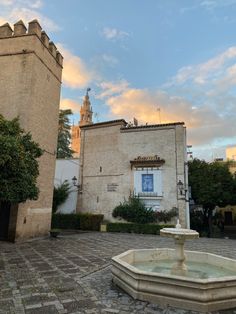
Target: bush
{"type": "Point", "coordinates": [166, 216]}
{"type": "Point", "coordinates": [90, 221]}
{"type": "Point", "coordinates": [136, 228]}
{"type": "Point", "coordinates": [81, 221]}
{"type": "Point", "coordinates": [60, 195]}
{"type": "Point", "coordinates": [65, 221]}
{"type": "Point", "coordinates": [135, 211]}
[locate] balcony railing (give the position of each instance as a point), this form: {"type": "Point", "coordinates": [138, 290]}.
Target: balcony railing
{"type": "Point", "coordinates": [149, 194]}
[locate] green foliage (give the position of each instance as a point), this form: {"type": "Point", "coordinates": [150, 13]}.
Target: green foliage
{"type": "Point", "coordinates": [60, 195]}
{"type": "Point", "coordinates": [18, 163]}
{"type": "Point", "coordinates": [64, 136]}
{"type": "Point", "coordinates": [134, 210]}
{"type": "Point", "coordinates": [65, 221]}
{"type": "Point", "coordinates": [212, 184]}
{"type": "Point", "coordinates": [165, 215]}
{"type": "Point", "coordinates": [197, 221]}
{"type": "Point", "coordinates": [90, 221]}
{"type": "Point", "coordinates": [136, 228]}
{"type": "Point", "coordinates": [81, 221]}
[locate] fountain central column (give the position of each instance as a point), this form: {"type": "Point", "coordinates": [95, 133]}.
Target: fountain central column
{"type": "Point", "coordinates": [179, 235]}
{"type": "Point", "coordinates": [179, 267]}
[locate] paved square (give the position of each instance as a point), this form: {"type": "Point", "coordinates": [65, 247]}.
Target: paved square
{"type": "Point", "coordinates": [72, 274]}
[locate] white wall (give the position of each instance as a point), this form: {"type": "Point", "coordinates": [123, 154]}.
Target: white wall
{"type": "Point", "coordinates": [66, 169]}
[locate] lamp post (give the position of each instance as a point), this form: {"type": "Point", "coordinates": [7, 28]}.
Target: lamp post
{"type": "Point", "coordinates": [183, 191]}
{"type": "Point", "coordinates": [74, 180]}
{"type": "Point", "coordinates": [180, 186]}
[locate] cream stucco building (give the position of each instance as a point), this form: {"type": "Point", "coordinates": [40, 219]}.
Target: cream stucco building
{"type": "Point", "coordinates": [30, 82]}
{"type": "Point", "coordinates": [118, 160]}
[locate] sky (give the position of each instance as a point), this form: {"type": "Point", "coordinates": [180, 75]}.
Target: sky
{"type": "Point", "coordinates": [155, 60]}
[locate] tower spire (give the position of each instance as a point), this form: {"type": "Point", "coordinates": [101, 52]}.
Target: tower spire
{"type": "Point", "coordinates": [86, 112]}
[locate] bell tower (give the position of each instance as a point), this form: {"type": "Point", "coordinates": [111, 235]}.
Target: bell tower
{"type": "Point", "coordinates": [86, 115]}
{"type": "Point", "coordinates": [86, 112]}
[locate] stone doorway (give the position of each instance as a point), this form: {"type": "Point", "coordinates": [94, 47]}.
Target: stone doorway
{"type": "Point", "coordinates": [5, 210]}
{"type": "Point", "coordinates": [8, 218]}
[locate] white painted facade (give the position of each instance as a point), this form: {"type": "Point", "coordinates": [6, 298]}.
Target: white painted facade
{"type": "Point", "coordinates": [66, 169]}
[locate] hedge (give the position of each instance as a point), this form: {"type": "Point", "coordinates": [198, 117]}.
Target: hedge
{"type": "Point", "coordinates": [81, 221]}
{"type": "Point", "coordinates": [136, 228]}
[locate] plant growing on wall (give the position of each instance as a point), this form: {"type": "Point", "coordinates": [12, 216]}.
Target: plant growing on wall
{"type": "Point", "coordinates": [64, 135]}
{"type": "Point", "coordinates": [18, 163]}
{"type": "Point", "coordinates": [60, 195]}
{"type": "Point", "coordinates": [134, 210]}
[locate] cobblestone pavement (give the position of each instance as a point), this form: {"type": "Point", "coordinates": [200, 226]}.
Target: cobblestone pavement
{"type": "Point", "coordinates": [72, 274]}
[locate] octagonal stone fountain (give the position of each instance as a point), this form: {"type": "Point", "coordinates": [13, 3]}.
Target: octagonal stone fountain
{"type": "Point", "coordinates": [186, 279]}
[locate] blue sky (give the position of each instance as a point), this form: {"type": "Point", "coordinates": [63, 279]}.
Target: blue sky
{"type": "Point", "coordinates": [141, 55]}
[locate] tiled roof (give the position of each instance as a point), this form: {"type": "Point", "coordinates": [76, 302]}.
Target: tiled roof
{"type": "Point", "coordinates": [119, 121]}
{"type": "Point", "coordinates": [152, 125]}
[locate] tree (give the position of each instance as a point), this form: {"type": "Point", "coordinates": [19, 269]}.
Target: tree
{"type": "Point", "coordinates": [60, 195]}
{"type": "Point", "coordinates": [64, 136]}
{"type": "Point", "coordinates": [212, 185]}
{"type": "Point", "coordinates": [18, 163]}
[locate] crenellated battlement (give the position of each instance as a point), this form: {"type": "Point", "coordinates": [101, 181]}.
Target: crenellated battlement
{"type": "Point", "coordinates": [34, 28]}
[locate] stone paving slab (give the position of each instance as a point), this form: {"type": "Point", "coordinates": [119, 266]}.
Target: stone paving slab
{"type": "Point", "coordinates": [72, 274]}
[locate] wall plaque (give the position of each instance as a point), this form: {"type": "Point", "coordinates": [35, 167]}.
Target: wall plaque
{"type": "Point", "coordinates": [112, 187]}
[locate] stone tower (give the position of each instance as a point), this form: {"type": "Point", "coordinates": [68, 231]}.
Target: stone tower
{"type": "Point", "coordinates": [30, 83]}
{"type": "Point", "coordinates": [86, 115]}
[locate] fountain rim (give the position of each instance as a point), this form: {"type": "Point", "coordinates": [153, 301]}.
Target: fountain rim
{"type": "Point", "coordinates": [117, 259]}
{"type": "Point", "coordinates": [172, 232]}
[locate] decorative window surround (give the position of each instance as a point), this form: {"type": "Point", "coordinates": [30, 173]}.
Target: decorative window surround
{"type": "Point", "coordinates": [156, 192]}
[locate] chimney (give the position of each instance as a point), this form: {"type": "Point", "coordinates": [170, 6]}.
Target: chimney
{"type": "Point", "coordinates": [45, 39]}
{"type": "Point", "coordinates": [35, 28]}
{"type": "Point", "coordinates": [19, 28]}
{"type": "Point", "coordinates": [5, 30]}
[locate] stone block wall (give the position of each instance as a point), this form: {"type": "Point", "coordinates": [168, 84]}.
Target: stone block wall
{"type": "Point", "coordinates": [30, 82]}
{"type": "Point", "coordinates": [106, 175]}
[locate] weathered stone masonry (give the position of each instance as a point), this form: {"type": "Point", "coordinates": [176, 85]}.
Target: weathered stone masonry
{"type": "Point", "coordinates": [30, 82]}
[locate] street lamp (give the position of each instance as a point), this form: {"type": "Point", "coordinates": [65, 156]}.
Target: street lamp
{"type": "Point", "coordinates": [74, 180]}
{"type": "Point", "coordinates": [180, 186]}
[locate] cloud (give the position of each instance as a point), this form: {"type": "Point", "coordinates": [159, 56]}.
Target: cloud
{"type": "Point", "coordinates": [25, 10]}
{"type": "Point", "coordinates": [6, 2]}
{"type": "Point", "coordinates": [75, 73]}
{"type": "Point", "coordinates": [200, 73]}
{"type": "Point", "coordinates": [216, 4]}
{"type": "Point", "coordinates": [67, 103]}
{"type": "Point", "coordinates": [114, 33]}
{"type": "Point", "coordinates": [110, 60]}
{"type": "Point", "coordinates": [112, 88]}
{"type": "Point", "coordinates": [208, 5]}
{"type": "Point", "coordinates": [204, 123]}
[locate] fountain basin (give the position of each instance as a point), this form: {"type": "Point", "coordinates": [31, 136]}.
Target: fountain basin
{"type": "Point", "coordinates": [209, 292]}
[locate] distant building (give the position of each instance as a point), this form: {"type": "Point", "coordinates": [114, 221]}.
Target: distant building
{"type": "Point", "coordinates": [86, 118]}
{"type": "Point", "coordinates": [231, 153]}
{"type": "Point", "coordinates": [118, 160]}
{"type": "Point", "coordinates": [30, 76]}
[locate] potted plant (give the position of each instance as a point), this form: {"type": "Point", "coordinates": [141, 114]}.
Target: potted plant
{"type": "Point", "coordinates": [54, 232]}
